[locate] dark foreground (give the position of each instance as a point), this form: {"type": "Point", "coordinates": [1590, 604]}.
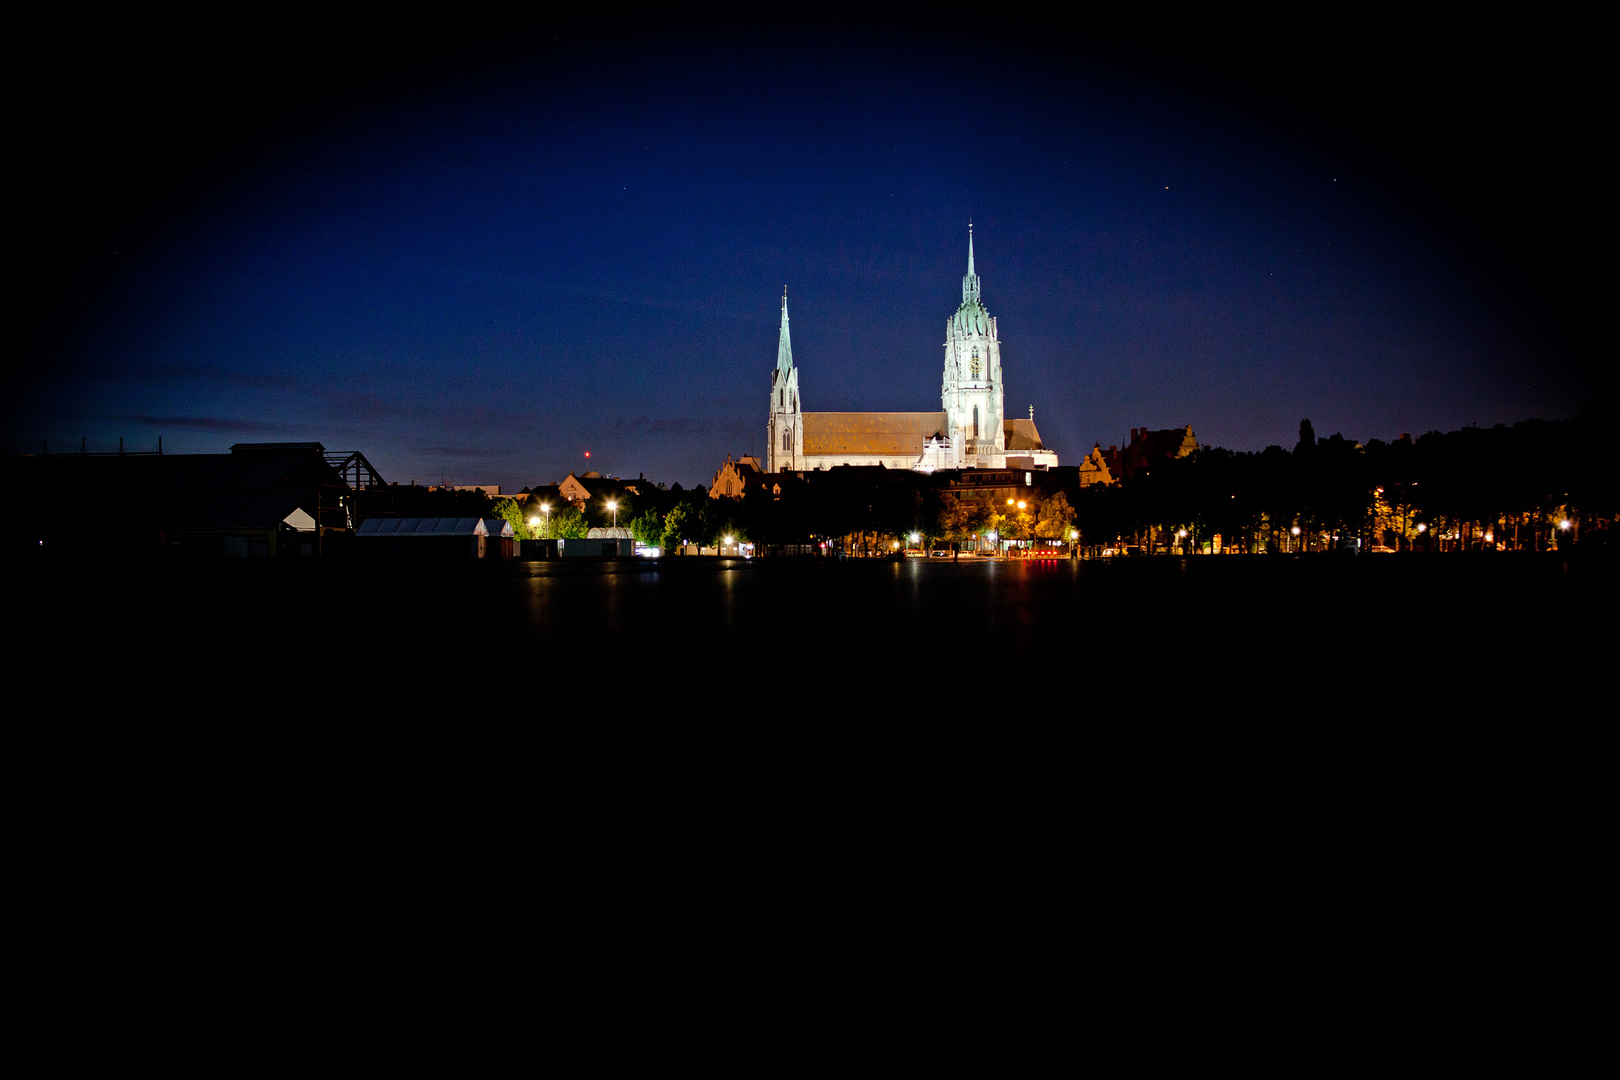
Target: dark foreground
{"type": "Point", "coordinates": [1279, 767]}
{"type": "Point", "coordinates": [1373, 638]}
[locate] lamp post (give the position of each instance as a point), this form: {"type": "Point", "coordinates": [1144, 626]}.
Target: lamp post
{"type": "Point", "coordinates": [614, 507]}
{"type": "Point", "coordinates": [545, 508]}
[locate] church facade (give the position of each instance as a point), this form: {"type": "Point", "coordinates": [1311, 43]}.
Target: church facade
{"type": "Point", "coordinates": [970, 430]}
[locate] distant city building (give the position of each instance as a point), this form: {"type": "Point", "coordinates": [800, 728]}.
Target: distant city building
{"type": "Point", "coordinates": [1094, 470]}
{"type": "Point", "coordinates": [1146, 448]}
{"type": "Point", "coordinates": [993, 486]}
{"type": "Point", "coordinates": [482, 489]}
{"type": "Point", "coordinates": [736, 477]}
{"type": "Point", "coordinates": [573, 489]}
{"type": "Point", "coordinates": [971, 429]}
{"type": "Point", "coordinates": [581, 490]}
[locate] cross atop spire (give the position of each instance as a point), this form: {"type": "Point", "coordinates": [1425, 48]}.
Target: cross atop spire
{"type": "Point", "coordinates": [970, 283]}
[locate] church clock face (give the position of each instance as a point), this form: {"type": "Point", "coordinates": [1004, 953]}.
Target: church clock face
{"type": "Point", "coordinates": [973, 365]}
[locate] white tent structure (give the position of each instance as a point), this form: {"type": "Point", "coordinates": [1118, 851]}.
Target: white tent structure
{"type": "Point", "coordinates": [414, 536]}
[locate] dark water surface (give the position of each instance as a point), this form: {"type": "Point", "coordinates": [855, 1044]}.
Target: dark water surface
{"type": "Point", "coordinates": [1405, 750]}
{"type": "Point", "coordinates": [1135, 637]}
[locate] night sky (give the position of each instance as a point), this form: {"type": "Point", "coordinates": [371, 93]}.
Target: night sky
{"type": "Point", "coordinates": [475, 252]}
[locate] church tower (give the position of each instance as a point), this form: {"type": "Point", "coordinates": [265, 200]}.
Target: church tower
{"type": "Point", "coordinates": [784, 432]}
{"type": "Point", "coordinates": [972, 392]}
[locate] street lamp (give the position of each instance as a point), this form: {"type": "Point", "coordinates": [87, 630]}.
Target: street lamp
{"type": "Point", "coordinates": [534, 523]}
{"type": "Point", "coordinates": [613, 506]}
{"type": "Point", "coordinates": [545, 508]}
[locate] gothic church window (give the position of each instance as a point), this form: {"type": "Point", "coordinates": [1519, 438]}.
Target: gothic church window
{"type": "Point", "coordinates": [975, 421]}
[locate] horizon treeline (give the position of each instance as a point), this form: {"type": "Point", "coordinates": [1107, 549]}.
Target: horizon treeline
{"type": "Point", "coordinates": [1523, 486]}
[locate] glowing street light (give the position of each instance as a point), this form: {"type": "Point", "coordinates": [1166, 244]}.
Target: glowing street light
{"type": "Point", "coordinates": [613, 506]}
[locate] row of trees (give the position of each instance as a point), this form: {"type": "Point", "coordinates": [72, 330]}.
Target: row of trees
{"type": "Point", "coordinates": [1477, 487]}
{"type": "Point", "coordinates": [658, 519]}
{"type": "Point", "coordinates": [1510, 486]}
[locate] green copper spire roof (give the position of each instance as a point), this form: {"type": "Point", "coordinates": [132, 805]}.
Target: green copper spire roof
{"type": "Point", "coordinates": [784, 347]}
{"type": "Point", "coordinates": [971, 317]}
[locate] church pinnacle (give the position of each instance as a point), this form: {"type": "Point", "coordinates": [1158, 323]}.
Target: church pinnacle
{"type": "Point", "coordinates": [970, 284]}
{"type": "Point", "coordinates": [784, 347]}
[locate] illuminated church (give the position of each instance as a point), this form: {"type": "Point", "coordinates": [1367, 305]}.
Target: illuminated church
{"type": "Point", "coordinates": [970, 431]}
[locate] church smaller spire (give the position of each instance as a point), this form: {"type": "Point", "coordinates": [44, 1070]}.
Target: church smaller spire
{"type": "Point", "coordinates": [784, 345]}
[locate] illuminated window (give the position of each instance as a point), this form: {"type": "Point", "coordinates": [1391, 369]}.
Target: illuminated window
{"type": "Point", "coordinates": [975, 421]}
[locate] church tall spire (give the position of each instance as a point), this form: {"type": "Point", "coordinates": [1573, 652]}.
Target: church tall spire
{"type": "Point", "coordinates": [784, 434]}
{"type": "Point", "coordinates": [970, 284]}
{"type": "Point", "coordinates": [784, 345]}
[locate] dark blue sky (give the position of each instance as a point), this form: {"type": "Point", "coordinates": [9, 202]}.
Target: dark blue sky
{"type": "Point", "coordinates": [475, 255]}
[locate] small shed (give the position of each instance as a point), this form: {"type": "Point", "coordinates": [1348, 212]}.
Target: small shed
{"type": "Point", "coordinates": [600, 544]}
